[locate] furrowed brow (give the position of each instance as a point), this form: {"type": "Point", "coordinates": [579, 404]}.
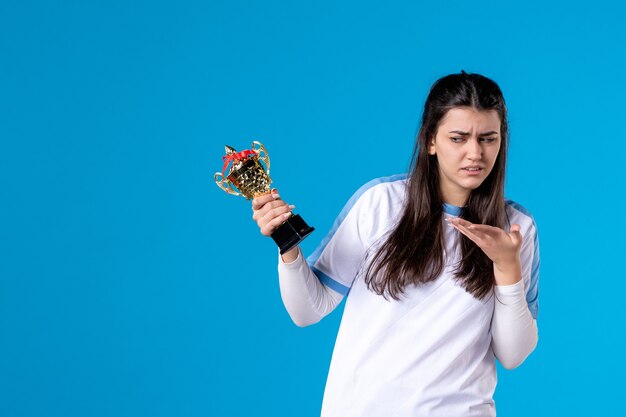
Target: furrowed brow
{"type": "Point", "coordinates": [460, 132]}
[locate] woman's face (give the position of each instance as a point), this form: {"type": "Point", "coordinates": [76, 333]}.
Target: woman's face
{"type": "Point", "coordinates": [466, 145]}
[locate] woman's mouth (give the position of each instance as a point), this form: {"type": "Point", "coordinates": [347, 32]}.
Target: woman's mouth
{"type": "Point", "coordinates": [472, 170]}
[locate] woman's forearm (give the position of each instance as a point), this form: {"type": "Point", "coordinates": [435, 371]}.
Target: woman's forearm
{"type": "Point", "coordinates": [306, 299]}
{"type": "Point", "coordinates": [513, 329]}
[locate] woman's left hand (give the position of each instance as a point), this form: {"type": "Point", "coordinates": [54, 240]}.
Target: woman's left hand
{"type": "Point", "coordinates": [501, 247]}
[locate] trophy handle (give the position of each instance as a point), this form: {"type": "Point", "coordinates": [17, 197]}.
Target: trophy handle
{"type": "Point", "coordinates": [225, 185]}
{"type": "Point", "coordinates": [260, 150]}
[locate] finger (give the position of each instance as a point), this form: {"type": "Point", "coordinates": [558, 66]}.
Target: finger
{"type": "Point", "coordinates": [271, 226]}
{"type": "Point", "coordinates": [260, 201]}
{"type": "Point", "coordinates": [485, 230]}
{"type": "Point", "coordinates": [277, 212]}
{"type": "Point", "coordinates": [482, 229]}
{"type": "Point", "coordinates": [460, 221]}
{"type": "Point", "coordinates": [467, 227]}
{"type": "Point", "coordinates": [267, 207]}
{"type": "Point", "coordinates": [466, 232]}
{"type": "Point", "coordinates": [515, 233]}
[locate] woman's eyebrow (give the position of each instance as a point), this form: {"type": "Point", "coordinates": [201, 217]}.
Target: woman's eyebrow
{"type": "Point", "coordinates": [460, 132]}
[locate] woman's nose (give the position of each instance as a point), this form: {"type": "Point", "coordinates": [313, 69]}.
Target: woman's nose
{"type": "Point", "coordinates": [474, 150]}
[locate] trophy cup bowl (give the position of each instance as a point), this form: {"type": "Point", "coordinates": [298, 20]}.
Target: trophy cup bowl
{"type": "Point", "coordinates": [248, 178]}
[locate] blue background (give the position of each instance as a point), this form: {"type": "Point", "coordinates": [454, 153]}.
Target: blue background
{"type": "Point", "coordinates": [131, 285]}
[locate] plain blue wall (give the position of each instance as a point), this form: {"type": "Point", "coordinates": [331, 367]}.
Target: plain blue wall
{"type": "Point", "coordinates": [131, 285]}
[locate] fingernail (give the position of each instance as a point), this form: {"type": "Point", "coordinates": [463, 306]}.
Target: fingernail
{"type": "Point", "coordinates": [287, 215]}
{"type": "Point", "coordinates": [276, 196]}
{"type": "Point", "coordinates": [291, 206]}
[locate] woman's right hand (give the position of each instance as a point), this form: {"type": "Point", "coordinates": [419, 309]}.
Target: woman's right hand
{"type": "Point", "coordinates": [270, 212]}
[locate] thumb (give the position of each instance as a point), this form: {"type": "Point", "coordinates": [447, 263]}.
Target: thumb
{"type": "Point", "coordinates": [515, 234]}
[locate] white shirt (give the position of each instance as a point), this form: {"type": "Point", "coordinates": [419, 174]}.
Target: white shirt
{"type": "Point", "coordinates": [428, 354]}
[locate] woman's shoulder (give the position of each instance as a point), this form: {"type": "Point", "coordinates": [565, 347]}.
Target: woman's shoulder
{"type": "Point", "coordinates": [379, 194]}
{"type": "Point", "coordinates": [393, 185]}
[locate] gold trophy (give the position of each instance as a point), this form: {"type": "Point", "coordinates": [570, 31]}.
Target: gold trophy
{"type": "Point", "coordinates": [248, 178]}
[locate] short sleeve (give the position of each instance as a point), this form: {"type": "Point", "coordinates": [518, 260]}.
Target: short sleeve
{"type": "Point", "coordinates": [338, 258]}
{"type": "Point", "coordinates": [342, 253]}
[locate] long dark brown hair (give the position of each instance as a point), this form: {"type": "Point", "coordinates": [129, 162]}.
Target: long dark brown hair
{"type": "Point", "coordinates": [413, 253]}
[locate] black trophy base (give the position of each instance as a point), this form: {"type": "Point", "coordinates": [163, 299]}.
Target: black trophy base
{"type": "Point", "coordinates": [290, 233]}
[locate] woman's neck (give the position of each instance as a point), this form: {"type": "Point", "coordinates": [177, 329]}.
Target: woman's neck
{"type": "Point", "coordinates": [454, 199]}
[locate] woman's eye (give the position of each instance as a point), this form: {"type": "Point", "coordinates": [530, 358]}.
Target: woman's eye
{"type": "Point", "coordinates": [456, 140]}
{"type": "Point", "coordinates": [488, 140]}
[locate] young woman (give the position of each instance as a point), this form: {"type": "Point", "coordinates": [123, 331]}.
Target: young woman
{"type": "Point", "coordinates": [440, 272]}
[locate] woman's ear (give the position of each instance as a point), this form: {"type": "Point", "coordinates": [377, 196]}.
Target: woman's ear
{"type": "Point", "coordinates": [431, 146]}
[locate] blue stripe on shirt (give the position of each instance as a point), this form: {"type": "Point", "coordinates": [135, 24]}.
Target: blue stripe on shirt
{"type": "Point", "coordinates": [329, 282]}
{"type": "Point", "coordinates": [532, 293]}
